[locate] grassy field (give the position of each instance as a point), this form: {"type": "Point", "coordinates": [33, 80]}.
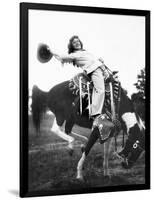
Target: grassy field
{"type": "Point", "coordinates": [51, 168]}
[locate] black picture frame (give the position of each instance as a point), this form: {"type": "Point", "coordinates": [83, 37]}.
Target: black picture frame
{"type": "Point", "coordinates": [24, 20]}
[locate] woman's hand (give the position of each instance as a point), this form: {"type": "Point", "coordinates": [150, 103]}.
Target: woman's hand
{"type": "Point", "coordinates": [101, 60]}
{"type": "Point", "coordinates": [58, 57]}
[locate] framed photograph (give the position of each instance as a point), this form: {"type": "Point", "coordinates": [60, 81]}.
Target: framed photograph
{"type": "Point", "coordinates": [84, 99]}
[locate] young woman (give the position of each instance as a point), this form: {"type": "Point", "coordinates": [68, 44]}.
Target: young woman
{"type": "Point", "coordinates": [91, 66]}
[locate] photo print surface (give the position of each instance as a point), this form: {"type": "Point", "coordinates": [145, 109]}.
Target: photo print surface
{"type": "Point", "coordinates": [86, 102]}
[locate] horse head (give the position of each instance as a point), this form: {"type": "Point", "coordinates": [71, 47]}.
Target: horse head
{"type": "Point", "coordinates": [135, 129]}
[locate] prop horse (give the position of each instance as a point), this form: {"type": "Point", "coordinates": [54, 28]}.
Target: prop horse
{"type": "Point", "coordinates": [63, 100]}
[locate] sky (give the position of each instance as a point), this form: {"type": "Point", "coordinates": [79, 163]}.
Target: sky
{"type": "Point", "coordinates": [118, 39]}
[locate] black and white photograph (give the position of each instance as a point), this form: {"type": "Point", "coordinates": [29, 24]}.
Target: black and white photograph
{"type": "Point", "coordinates": [87, 99]}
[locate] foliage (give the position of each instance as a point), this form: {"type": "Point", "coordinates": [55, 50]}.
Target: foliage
{"type": "Point", "coordinates": [139, 97]}
{"type": "Point", "coordinates": [140, 85]}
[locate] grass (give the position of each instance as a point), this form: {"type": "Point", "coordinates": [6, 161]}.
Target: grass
{"type": "Point", "coordinates": [53, 169]}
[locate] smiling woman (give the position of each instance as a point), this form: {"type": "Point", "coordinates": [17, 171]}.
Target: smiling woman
{"type": "Point", "coordinates": [92, 67]}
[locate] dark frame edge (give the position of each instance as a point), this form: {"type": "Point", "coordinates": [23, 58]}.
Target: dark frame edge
{"type": "Point", "coordinates": [120, 188]}
{"type": "Point", "coordinates": [78, 8]}
{"type": "Point", "coordinates": [23, 188]}
{"type": "Point", "coordinates": [147, 94]}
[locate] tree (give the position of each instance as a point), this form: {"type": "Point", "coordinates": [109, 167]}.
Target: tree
{"type": "Point", "coordinates": [140, 85]}
{"type": "Point", "coordinates": [139, 97]}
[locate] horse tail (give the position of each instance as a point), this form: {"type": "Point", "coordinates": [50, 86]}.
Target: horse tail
{"type": "Point", "coordinates": [39, 106]}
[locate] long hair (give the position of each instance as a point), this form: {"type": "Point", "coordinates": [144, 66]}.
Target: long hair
{"type": "Point", "coordinates": [71, 48]}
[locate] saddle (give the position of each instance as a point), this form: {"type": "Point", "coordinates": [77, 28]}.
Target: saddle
{"type": "Point", "coordinates": [80, 81]}
{"type": "Point", "coordinates": [82, 86]}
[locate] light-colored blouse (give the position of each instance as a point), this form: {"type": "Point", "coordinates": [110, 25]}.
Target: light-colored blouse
{"type": "Point", "coordinates": [82, 59]}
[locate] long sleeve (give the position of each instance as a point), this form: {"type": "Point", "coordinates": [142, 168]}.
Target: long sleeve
{"type": "Point", "coordinates": [67, 58]}
{"type": "Point", "coordinates": [64, 58]}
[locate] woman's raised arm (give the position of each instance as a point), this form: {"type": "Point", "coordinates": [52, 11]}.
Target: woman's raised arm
{"type": "Point", "coordinates": [63, 58]}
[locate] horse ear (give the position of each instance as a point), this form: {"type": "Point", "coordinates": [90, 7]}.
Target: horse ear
{"type": "Point", "coordinates": [43, 53]}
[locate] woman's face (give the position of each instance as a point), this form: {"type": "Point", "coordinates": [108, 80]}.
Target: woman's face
{"type": "Point", "coordinates": [76, 44]}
